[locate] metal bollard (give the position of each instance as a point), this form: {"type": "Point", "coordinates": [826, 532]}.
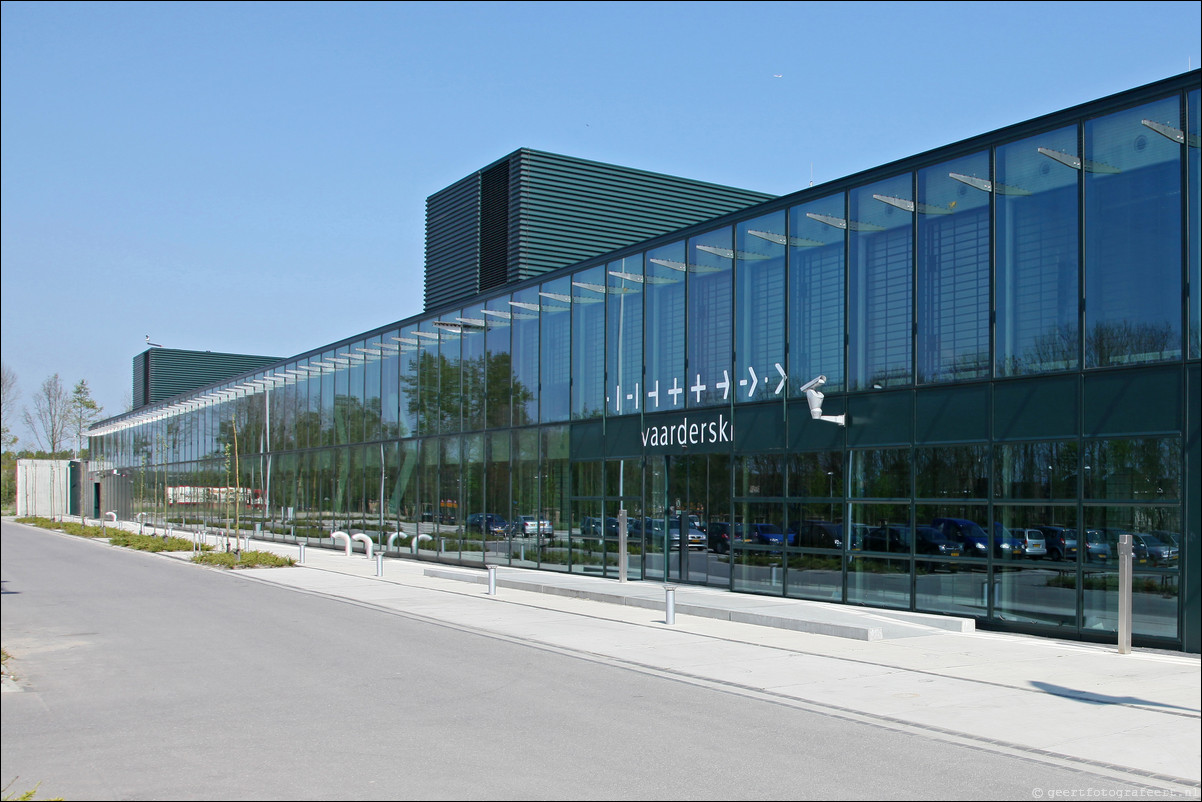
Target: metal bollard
{"type": "Point", "coordinates": [302, 552]}
{"type": "Point", "coordinates": [492, 580]}
{"type": "Point", "coordinates": [379, 563]}
{"type": "Point", "coordinates": [1126, 555]}
{"type": "Point", "coordinates": [669, 605]}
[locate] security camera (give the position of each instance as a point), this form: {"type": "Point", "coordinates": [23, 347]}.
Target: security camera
{"type": "Point", "coordinates": [815, 401]}
{"type": "Point", "coordinates": [813, 383]}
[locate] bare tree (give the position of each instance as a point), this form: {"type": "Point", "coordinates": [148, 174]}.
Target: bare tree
{"type": "Point", "coordinates": [7, 399]}
{"type": "Point", "coordinates": [84, 411]}
{"type": "Point", "coordinates": [50, 416]}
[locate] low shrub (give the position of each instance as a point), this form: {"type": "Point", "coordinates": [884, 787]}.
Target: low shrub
{"type": "Point", "coordinates": [152, 542]}
{"type": "Point", "coordinates": [69, 527]}
{"type": "Point", "coordinates": [246, 559]}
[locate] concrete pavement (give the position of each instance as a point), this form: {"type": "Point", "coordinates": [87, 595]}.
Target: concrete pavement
{"type": "Point", "coordinates": [1134, 717]}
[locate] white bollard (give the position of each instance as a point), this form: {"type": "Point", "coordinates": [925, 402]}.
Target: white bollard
{"type": "Point", "coordinates": [492, 580]}
{"type": "Point", "coordinates": [669, 605]}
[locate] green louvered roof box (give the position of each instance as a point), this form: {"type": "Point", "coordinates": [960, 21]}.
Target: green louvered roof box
{"type": "Point", "coordinates": [161, 373]}
{"type": "Point", "coordinates": [532, 212]}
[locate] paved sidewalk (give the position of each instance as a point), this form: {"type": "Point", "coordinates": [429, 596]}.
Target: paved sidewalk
{"type": "Point", "coordinates": [1134, 717]}
{"type": "Point", "coordinates": [1137, 716]}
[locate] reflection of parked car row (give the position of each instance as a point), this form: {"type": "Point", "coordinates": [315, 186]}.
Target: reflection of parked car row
{"type": "Point", "coordinates": [943, 537]}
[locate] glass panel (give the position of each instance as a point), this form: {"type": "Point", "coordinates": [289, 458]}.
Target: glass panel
{"type": "Point", "coordinates": [880, 473]}
{"type": "Point", "coordinates": [1133, 469]}
{"type": "Point", "coordinates": [409, 370]}
{"type": "Point", "coordinates": [450, 497]}
{"type": "Point", "coordinates": [873, 578]}
{"type": "Point", "coordinates": [624, 327]}
{"type": "Point", "coordinates": [814, 576]}
{"type": "Point", "coordinates": [761, 320]}
{"type": "Point", "coordinates": [1156, 535]}
{"type": "Point", "coordinates": [664, 283]}
{"type": "Point", "coordinates": [953, 271]}
{"type": "Point", "coordinates": [328, 377]}
{"type": "Point", "coordinates": [653, 526]}
{"type": "Point", "coordinates": [708, 321]}
{"type": "Point", "coordinates": [1035, 470]}
{"type": "Point", "coordinates": [390, 384]}
{"type": "Point", "coordinates": [1133, 237]}
{"type": "Point", "coordinates": [356, 393]}
{"type": "Point", "coordinates": [555, 359]}
{"type": "Point", "coordinates": [496, 497]}
{"type": "Point", "coordinates": [757, 561]}
{"type": "Point", "coordinates": [1036, 590]}
{"type": "Point", "coordinates": [498, 379]}
{"type": "Point", "coordinates": [471, 328]}
{"type": "Point", "coordinates": [450, 369]}
{"type": "Point", "coordinates": [342, 397]}
{"type": "Point", "coordinates": [880, 230]}
{"type": "Point", "coordinates": [372, 402]}
{"type": "Point", "coordinates": [429, 376]}
{"type": "Point", "coordinates": [942, 586]}
{"type": "Point", "coordinates": [1037, 254]}
{"type": "Point", "coordinates": [961, 530]}
{"type": "Point", "coordinates": [817, 248]}
{"type": "Point", "coordinates": [1194, 204]}
{"type": "Point", "coordinates": [524, 316]}
{"type": "Point", "coordinates": [536, 529]}
{"type": "Point", "coordinates": [816, 475]}
{"type": "Point", "coordinates": [483, 526]}
{"type": "Point", "coordinates": [951, 472]}
{"type": "Point", "coordinates": [588, 343]}
{"type": "Point", "coordinates": [589, 530]}
{"type": "Point", "coordinates": [554, 487]}
{"type": "Point", "coordinates": [759, 475]}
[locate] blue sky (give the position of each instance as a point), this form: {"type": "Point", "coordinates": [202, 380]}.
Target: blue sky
{"type": "Point", "coordinates": [252, 177]}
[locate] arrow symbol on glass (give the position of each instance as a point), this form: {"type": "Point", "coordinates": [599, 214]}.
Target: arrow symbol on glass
{"type": "Point", "coordinates": [755, 380]}
{"type": "Point", "coordinates": [724, 384]}
{"type": "Point", "coordinates": [783, 378]}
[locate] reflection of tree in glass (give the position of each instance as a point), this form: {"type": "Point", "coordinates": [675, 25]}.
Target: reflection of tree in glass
{"type": "Point", "coordinates": [431, 394]}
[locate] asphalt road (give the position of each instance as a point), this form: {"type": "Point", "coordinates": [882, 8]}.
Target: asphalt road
{"type": "Point", "coordinates": [143, 677]}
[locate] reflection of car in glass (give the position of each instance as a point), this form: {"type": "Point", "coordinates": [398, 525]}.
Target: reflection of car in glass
{"type": "Point", "coordinates": [1097, 550]}
{"type": "Point", "coordinates": [974, 542]}
{"type": "Point", "coordinates": [721, 533]}
{"type": "Point", "coordinates": [891, 538]}
{"type": "Point", "coordinates": [486, 523]}
{"type": "Point", "coordinates": [929, 540]}
{"type": "Point", "coordinates": [530, 526]}
{"type": "Point", "coordinates": [769, 534]}
{"type": "Point", "coordinates": [696, 538]}
{"type": "Point", "coordinates": [1061, 541]}
{"type": "Point", "coordinates": [595, 527]}
{"type": "Point", "coordinates": [1159, 552]}
{"type": "Point", "coordinates": [1033, 542]}
{"type": "Point", "coordinates": [817, 534]}
{"type": "Point", "coordinates": [650, 527]}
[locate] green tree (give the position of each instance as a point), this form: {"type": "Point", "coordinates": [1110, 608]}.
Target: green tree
{"type": "Point", "coordinates": [83, 411]}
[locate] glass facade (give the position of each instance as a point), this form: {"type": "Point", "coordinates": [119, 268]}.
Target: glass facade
{"type": "Point", "coordinates": [1009, 325]}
